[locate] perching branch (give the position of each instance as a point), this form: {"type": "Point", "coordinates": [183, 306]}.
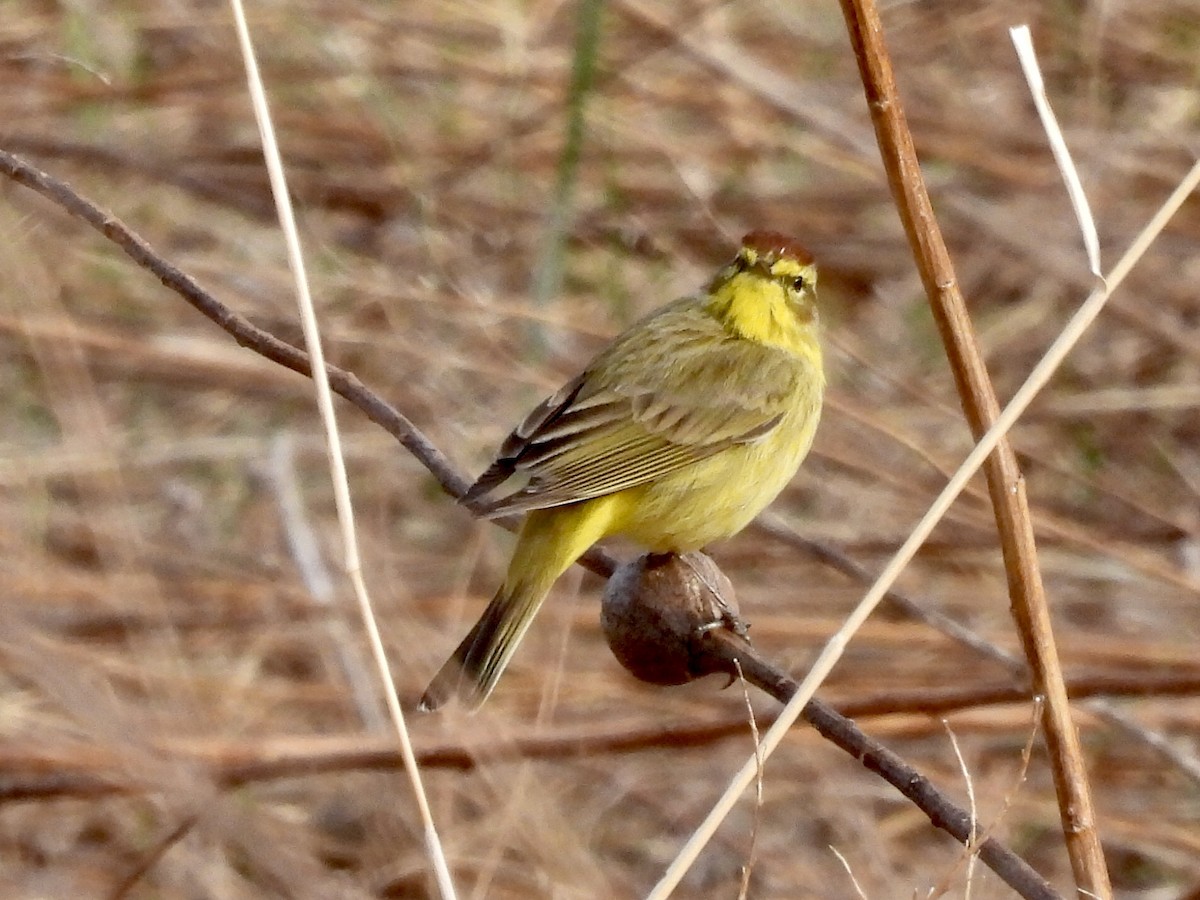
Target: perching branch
{"type": "Point", "coordinates": [250, 336]}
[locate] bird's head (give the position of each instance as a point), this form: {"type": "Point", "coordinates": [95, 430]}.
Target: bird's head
{"type": "Point", "coordinates": [768, 291]}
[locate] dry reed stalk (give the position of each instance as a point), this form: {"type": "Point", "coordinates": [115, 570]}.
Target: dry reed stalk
{"type": "Point", "coordinates": [337, 461]}
{"type": "Point", "coordinates": [1005, 483]}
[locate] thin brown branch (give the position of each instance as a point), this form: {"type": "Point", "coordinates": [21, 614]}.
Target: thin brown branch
{"type": "Point", "coordinates": [1005, 483]}
{"type": "Point", "coordinates": [248, 335]}
{"type": "Point", "coordinates": [944, 814]}
{"type": "Point", "coordinates": [150, 858]}
{"type": "Point", "coordinates": [836, 559]}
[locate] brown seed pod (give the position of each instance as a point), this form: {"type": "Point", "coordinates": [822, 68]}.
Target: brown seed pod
{"type": "Point", "coordinates": [658, 611]}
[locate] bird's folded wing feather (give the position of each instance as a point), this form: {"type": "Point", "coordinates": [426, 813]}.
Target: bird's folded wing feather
{"type": "Point", "coordinates": [639, 413]}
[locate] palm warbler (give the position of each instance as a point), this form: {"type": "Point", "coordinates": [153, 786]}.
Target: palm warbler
{"type": "Point", "coordinates": [676, 435]}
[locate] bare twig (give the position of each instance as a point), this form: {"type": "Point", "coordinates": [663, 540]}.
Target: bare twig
{"type": "Point", "coordinates": [945, 815]}
{"type": "Point", "coordinates": [344, 384]}
{"type": "Point", "coordinates": [149, 859]}
{"type": "Point", "coordinates": [247, 335]}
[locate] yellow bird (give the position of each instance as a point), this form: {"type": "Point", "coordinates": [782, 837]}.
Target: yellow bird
{"type": "Point", "coordinates": [676, 435]}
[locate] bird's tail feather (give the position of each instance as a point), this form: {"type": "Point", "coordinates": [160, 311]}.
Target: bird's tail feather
{"type": "Point", "coordinates": [550, 540]}
{"type": "Point", "coordinates": [473, 669]}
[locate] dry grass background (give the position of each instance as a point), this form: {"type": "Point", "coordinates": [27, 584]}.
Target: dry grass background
{"type": "Point", "coordinates": [155, 617]}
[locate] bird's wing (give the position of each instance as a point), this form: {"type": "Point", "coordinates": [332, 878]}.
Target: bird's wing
{"type": "Point", "coordinates": [640, 411]}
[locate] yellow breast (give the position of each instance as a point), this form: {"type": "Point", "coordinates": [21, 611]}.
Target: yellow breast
{"type": "Point", "coordinates": [717, 497]}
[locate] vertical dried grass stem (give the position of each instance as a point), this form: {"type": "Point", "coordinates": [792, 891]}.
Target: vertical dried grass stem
{"type": "Point", "coordinates": [337, 463]}
{"type": "Point", "coordinates": [1005, 483]}
{"type": "Point", "coordinates": [748, 868]}
{"type": "Point", "coordinates": [1023, 42]}
{"type": "Point", "coordinates": [547, 276]}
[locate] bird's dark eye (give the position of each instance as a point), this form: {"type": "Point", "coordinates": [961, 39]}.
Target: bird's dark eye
{"type": "Point", "coordinates": [798, 283]}
{"type": "Point", "coordinates": [740, 264]}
